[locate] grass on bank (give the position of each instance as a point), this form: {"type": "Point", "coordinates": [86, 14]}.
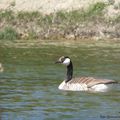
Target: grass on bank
{"type": "Point", "coordinates": [60, 16]}
{"type": "Point", "coordinates": [82, 15]}
{"type": "Point", "coordinates": [8, 33]}
{"type": "Point", "coordinates": [36, 25]}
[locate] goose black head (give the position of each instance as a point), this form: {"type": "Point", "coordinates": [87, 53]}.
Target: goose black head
{"type": "Point", "coordinates": [65, 60]}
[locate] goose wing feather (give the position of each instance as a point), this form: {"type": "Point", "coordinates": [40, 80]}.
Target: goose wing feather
{"type": "Point", "coordinates": [91, 81]}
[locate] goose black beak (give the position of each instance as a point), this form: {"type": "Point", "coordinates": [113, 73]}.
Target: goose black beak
{"type": "Point", "coordinates": [58, 62]}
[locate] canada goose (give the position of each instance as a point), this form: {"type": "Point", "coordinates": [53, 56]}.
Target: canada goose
{"type": "Point", "coordinates": [1, 68]}
{"type": "Point", "coordinates": [81, 83]}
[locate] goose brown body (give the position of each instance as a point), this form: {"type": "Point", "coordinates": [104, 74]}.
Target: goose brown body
{"type": "Point", "coordinates": [86, 84]}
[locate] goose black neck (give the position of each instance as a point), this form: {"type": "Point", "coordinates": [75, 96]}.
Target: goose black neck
{"type": "Point", "coordinates": [69, 72]}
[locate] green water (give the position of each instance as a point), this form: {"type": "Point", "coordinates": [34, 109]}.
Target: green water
{"type": "Point", "coordinates": [29, 83]}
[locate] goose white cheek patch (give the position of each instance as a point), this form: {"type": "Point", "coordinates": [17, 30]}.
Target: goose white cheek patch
{"type": "Point", "coordinates": [66, 61]}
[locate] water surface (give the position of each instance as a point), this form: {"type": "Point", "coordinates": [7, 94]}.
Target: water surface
{"type": "Point", "coordinates": [29, 83]}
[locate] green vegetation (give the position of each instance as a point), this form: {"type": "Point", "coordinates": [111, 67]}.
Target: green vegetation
{"type": "Point", "coordinates": [7, 15]}
{"type": "Point", "coordinates": [82, 15]}
{"type": "Point", "coordinates": [34, 25]}
{"type": "Point", "coordinates": [8, 33]}
{"type": "Point", "coordinates": [96, 9]}
{"type": "Point", "coordinates": [27, 15]}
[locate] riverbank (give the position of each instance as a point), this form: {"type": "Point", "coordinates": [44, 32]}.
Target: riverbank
{"type": "Point", "coordinates": [85, 43]}
{"type": "Point", "coordinates": [89, 23]}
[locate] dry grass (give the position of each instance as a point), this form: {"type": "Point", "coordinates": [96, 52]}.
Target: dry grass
{"type": "Point", "coordinates": [71, 25]}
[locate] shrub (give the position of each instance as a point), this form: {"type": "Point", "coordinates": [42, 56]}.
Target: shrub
{"type": "Point", "coordinates": [7, 15]}
{"type": "Point", "coordinates": [96, 8]}
{"type": "Point", "coordinates": [8, 34]}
